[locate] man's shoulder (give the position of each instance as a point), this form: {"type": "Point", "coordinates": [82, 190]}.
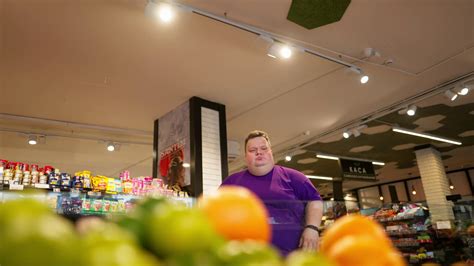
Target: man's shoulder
{"type": "Point", "coordinates": [289, 171]}
{"type": "Point", "coordinates": [234, 177]}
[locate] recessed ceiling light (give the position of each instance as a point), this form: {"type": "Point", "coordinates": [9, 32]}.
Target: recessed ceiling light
{"type": "Point", "coordinates": [111, 146]}
{"type": "Point", "coordinates": [32, 139]}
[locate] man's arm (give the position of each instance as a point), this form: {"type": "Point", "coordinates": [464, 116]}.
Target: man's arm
{"type": "Point", "coordinates": [310, 238]}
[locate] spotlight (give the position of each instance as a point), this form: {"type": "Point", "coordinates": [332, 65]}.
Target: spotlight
{"type": "Point", "coordinates": [163, 11]}
{"type": "Point", "coordinates": [32, 140]}
{"type": "Point", "coordinates": [364, 79]}
{"type": "Point", "coordinates": [287, 158]}
{"type": "Point", "coordinates": [279, 50]}
{"type": "Point", "coordinates": [464, 90]}
{"type": "Point", "coordinates": [450, 95]}
{"type": "Point", "coordinates": [411, 110]}
{"type": "Point", "coordinates": [111, 146]}
{"type": "Point", "coordinates": [346, 134]}
{"type": "Point", "coordinates": [451, 186]}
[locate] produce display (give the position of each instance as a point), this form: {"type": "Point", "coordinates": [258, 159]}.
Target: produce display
{"type": "Point", "coordinates": [159, 231]}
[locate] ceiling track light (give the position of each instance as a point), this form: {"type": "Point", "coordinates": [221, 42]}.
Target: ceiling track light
{"type": "Point", "coordinates": [356, 131]}
{"type": "Point", "coordinates": [280, 50]}
{"type": "Point", "coordinates": [450, 95]}
{"type": "Point", "coordinates": [248, 28]}
{"type": "Point", "coordinates": [346, 134]}
{"type": "Point", "coordinates": [411, 110]}
{"type": "Point", "coordinates": [464, 90]}
{"type": "Point", "coordinates": [363, 77]}
{"type": "Point", "coordinates": [425, 135]}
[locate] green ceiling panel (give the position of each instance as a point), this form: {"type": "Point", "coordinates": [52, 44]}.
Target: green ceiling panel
{"type": "Point", "coordinates": [316, 13]}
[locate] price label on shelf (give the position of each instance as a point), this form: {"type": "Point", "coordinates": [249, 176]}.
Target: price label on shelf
{"type": "Point", "coordinates": [16, 187]}
{"type": "Point", "coordinates": [443, 225]}
{"type": "Point", "coordinates": [44, 186]}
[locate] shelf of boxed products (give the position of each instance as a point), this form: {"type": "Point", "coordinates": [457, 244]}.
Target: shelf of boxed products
{"type": "Point", "coordinates": [407, 225]}
{"type": "Point", "coordinates": [82, 193]}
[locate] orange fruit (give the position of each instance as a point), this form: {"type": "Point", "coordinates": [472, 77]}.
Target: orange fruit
{"type": "Point", "coordinates": [236, 213]}
{"type": "Point", "coordinates": [353, 225]}
{"type": "Point", "coordinates": [362, 250]}
{"type": "Point", "coordinates": [395, 259]}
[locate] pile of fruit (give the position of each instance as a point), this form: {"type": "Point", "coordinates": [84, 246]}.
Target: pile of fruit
{"type": "Point", "coordinates": [227, 228]}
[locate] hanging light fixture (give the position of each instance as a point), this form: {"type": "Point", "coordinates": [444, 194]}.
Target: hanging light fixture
{"type": "Point", "coordinates": [413, 191]}
{"type": "Point", "coordinates": [451, 186]}
{"type": "Point", "coordinates": [288, 158]}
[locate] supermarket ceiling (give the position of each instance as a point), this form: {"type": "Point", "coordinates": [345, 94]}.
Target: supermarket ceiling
{"type": "Point", "coordinates": [105, 63]}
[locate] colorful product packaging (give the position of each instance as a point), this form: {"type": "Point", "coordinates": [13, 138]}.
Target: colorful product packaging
{"type": "Point", "coordinates": [110, 189]}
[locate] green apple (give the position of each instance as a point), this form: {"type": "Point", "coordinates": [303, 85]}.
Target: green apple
{"type": "Point", "coordinates": [306, 258]}
{"type": "Point", "coordinates": [32, 235]}
{"type": "Point", "coordinates": [248, 253]}
{"type": "Point", "coordinates": [178, 230]}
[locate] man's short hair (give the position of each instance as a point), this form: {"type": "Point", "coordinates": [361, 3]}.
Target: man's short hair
{"type": "Point", "coordinates": [256, 134]}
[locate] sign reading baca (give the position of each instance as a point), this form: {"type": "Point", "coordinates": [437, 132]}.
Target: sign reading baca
{"type": "Point", "coordinates": [357, 169]}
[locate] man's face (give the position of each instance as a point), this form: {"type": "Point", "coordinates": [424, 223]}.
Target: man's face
{"type": "Point", "coordinates": [258, 153]}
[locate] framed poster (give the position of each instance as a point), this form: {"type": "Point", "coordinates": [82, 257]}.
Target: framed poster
{"type": "Point", "coordinates": [172, 148]}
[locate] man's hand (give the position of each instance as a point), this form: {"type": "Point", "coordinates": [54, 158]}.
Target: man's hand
{"type": "Point", "coordinates": [309, 240]}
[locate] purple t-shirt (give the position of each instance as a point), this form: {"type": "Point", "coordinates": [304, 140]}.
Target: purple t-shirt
{"type": "Point", "coordinates": [285, 192]}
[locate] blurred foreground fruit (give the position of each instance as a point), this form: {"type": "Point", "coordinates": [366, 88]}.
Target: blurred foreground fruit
{"type": "Point", "coordinates": [175, 230]}
{"type": "Point", "coordinates": [237, 214]}
{"type": "Point", "coordinates": [352, 225]}
{"type": "Point", "coordinates": [134, 222]}
{"type": "Point", "coordinates": [30, 234]}
{"type": "Point", "coordinates": [305, 258]}
{"type": "Point", "coordinates": [358, 240]}
{"type": "Point", "coordinates": [107, 244]}
{"type": "Point", "coordinates": [248, 253]}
